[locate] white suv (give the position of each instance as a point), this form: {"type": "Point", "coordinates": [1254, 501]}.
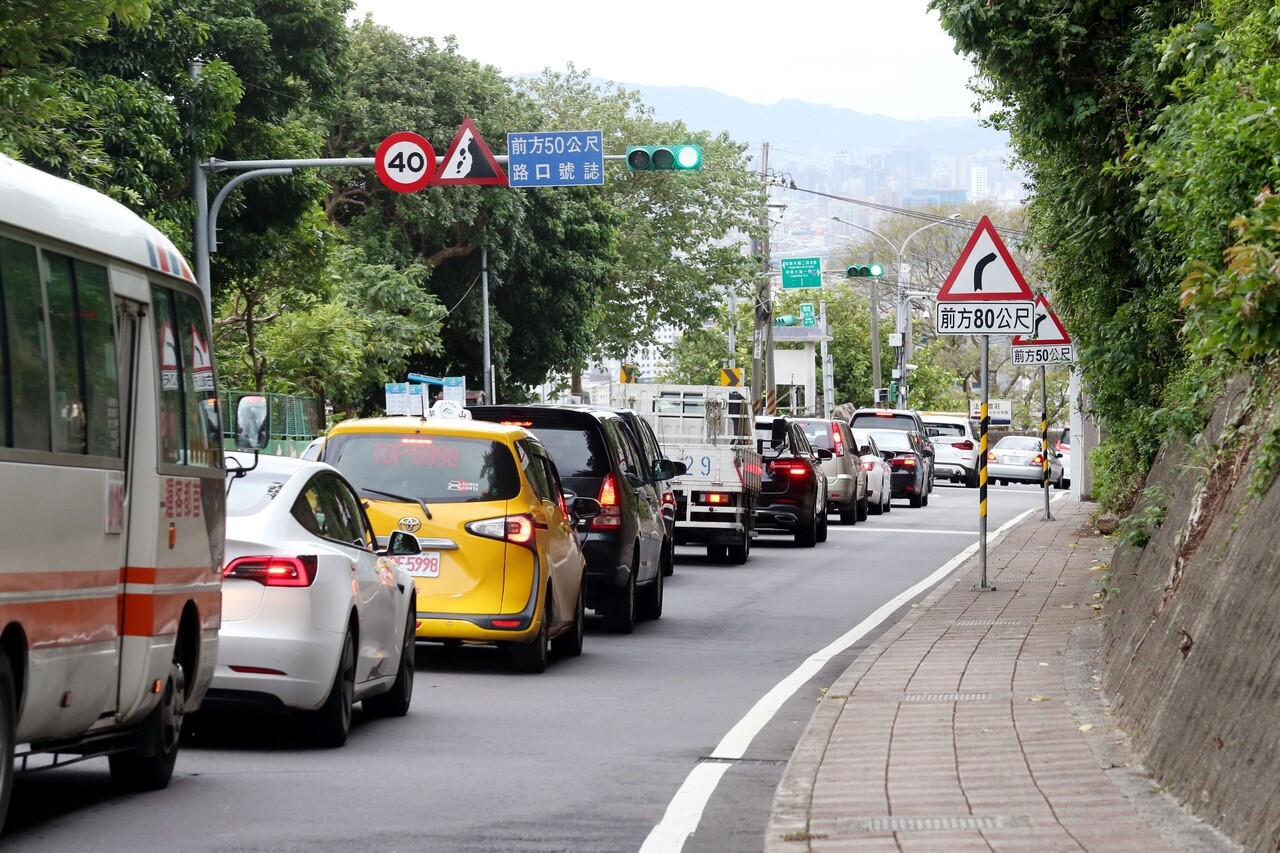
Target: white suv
{"type": "Point", "coordinates": [955, 443]}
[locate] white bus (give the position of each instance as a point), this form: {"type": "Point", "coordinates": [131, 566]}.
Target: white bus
{"type": "Point", "coordinates": [112, 486]}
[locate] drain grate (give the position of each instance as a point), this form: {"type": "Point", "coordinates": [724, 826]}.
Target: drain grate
{"type": "Point", "coordinates": [916, 824]}
{"type": "Point", "coordinates": [969, 623]}
{"type": "Point", "coordinates": [1037, 579]}
{"type": "Point", "coordinates": [951, 697]}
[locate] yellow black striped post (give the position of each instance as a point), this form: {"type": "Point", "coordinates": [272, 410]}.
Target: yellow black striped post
{"type": "Point", "coordinates": [1044, 442]}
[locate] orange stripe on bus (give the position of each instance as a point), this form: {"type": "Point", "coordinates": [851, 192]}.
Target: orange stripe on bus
{"type": "Point", "coordinates": [153, 615]}
{"type": "Point", "coordinates": [57, 581]}
{"type": "Point", "coordinates": [65, 623]}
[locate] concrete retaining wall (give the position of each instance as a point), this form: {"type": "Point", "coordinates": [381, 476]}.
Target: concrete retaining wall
{"type": "Point", "coordinates": [1191, 643]}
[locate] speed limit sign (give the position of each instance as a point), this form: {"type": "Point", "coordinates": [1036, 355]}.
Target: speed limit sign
{"type": "Point", "coordinates": [405, 162]}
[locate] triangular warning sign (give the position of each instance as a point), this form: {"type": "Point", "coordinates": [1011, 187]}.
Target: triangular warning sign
{"type": "Point", "coordinates": [1049, 330]}
{"type": "Point", "coordinates": [985, 271]}
{"type": "Point", "coordinates": [469, 160]}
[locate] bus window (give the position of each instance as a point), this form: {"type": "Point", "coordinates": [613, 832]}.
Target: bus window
{"type": "Point", "coordinates": [26, 355]}
{"type": "Point", "coordinates": [86, 390]}
{"type": "Point", "coordinates": [190, 425]}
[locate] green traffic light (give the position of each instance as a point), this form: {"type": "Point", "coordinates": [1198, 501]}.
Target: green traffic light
{"type": "Point", "coordinates": [864, 271]}
{"type": "Point", "coordinates": [785, 320]}
{"type": "Point", "coordinates": [664, 158]}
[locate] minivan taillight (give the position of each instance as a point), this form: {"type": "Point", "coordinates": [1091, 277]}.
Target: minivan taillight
{"type": "Point", "coordinates": [837, 440]}
{"type": "Point", "coordinates": [273, 570]}
{"type": "Point", "coordinates": [516, 529]}
{"type": "Point", "coordinates": [610, 517]}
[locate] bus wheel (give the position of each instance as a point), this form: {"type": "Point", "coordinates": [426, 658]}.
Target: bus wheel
{"type": "Point", "coordinates": [148, 766]}
{"type": "Point", "coordinates": [8, 726]}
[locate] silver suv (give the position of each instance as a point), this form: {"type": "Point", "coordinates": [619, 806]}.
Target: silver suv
{"type": "Point", "coordinates": [955, 444]}
{"type": "Point", "coordinates": [846, 479]}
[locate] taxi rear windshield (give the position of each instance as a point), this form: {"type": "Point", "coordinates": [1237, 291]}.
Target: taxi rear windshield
{"type": "Point", "coordinates": [431, 468]}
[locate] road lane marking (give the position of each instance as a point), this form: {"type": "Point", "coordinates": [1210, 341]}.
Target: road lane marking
{"type": "Point", "coordinates": [685, 810]}
{"type": "Point", "coordinates": [972, 533]}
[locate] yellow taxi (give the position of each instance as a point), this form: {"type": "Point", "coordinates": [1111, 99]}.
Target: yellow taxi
{"type": "Point", "coordinates": [500, 561]}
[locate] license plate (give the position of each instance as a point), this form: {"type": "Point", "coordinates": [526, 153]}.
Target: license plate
{"type": "Point", "coordinates": [424, 565]}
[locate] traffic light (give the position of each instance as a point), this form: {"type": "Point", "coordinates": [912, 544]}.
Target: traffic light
{"type": "Point", "coordinates": [664, 158]}
{"type": "Point", "coordinates": [785, 320]}
{"type": "Point", "coordinates": [864, 271]}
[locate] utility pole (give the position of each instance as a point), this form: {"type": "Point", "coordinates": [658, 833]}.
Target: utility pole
{"type": "Point", "coordinates": [762, 346]}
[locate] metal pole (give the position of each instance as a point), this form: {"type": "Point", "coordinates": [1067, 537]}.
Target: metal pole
{"type": "Point", "coordinates": [904, 328]}
{"type": "Point", "coordinates": [984, 422]}
{"type": "Point", "coordinates": [1044, 440]}
{"type": "Point", "coordinates": [200, 239]}
{"type": "Point", "coordinates": [733, 329]}
{"type": "Point", "coordinates": [828, 380]}
{"type": "Point", "coordinates": [873, 295]}
{"type": "Point", "coordinates": [770, 376]}
{"type": "Point", "coordinates": [484, 293]}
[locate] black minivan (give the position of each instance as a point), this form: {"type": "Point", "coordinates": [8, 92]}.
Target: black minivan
{"type": "Point", "coordinates": [598, 456]}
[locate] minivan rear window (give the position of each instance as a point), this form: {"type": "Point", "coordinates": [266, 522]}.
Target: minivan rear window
{"type": "Point", "coordinates": [819, 434]}
{"type": "Point", "coordinates": [431, 468]}
{"type": "Point", "coordinates": [576, 452]}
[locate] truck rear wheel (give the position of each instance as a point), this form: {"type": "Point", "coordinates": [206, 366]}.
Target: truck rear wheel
{"type": "Point", "coordinates": [739, 552]}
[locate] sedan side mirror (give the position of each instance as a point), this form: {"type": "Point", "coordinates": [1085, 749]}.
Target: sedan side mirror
{"type": "Point", "coordinates": [401, 544]}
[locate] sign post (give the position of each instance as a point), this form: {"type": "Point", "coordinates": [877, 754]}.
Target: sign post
{"type": "Point", "coordinates": [985, 294]}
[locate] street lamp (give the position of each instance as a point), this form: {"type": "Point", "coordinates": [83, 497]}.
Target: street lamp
{"type": "Point", "coordinates": [903, 318]}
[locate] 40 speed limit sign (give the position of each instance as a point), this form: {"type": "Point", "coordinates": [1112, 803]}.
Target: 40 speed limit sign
{"type": "Point", "coordinates": [405, 162]}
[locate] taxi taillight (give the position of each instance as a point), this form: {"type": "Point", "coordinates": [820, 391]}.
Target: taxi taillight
{"type": "Point", "coordinates": [274, 570]}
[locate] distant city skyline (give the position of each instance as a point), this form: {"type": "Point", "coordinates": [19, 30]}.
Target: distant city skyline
{"type": "Point", "coordinates": [879, 58]}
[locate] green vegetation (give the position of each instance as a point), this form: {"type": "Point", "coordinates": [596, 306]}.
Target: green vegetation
{"type": "Point", "coordinates": [1149, 132]}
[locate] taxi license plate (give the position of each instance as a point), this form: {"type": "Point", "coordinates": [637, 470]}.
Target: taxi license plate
{"type": "Point", "coordinates": [424, 565]}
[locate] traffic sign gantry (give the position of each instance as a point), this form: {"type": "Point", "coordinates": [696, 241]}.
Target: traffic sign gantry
{"type": "Point", "coordinates": [405, 162]}
{"type": "Point", "coordinates": [985, 294]}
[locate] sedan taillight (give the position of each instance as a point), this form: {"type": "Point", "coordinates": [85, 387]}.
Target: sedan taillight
{"type": "Point", "coordinates": [274, 571]}
{"type": "Point", "coordinates": [790, 468]}
{"type": "Point", "coordinates": [903, 462]}
{"type": "Point", "coordinates": [868, 465]}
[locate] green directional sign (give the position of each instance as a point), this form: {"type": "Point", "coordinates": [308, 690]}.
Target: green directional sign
{"type": "Point", "coordinates": [801, 272]}
{"type": "Point", "coordinates": [806, 314]}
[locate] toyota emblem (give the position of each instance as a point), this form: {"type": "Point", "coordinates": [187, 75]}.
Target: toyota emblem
{"type": "Point", "coordinates": [410, 524]}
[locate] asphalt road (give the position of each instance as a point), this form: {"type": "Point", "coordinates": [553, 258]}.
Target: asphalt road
{"type": "Point", "coordinates": [587, 756]}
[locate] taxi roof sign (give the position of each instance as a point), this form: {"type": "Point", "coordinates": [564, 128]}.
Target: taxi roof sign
{"type": "Point", "coordinates": [985, 271]}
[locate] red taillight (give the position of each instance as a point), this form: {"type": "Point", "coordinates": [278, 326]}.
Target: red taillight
{"type": "Point", "coordinates": [610, 516]}
{"type": "Point", "coordinates": [274, 571]}
{"type": "Point", "coordinates": [669, 505]}
{"type": "Point", "coordinates": [868, 465]}
{"type": "Point", "coordinates": [837, 440]}
{"type": "Point", "coordinates": [792, 469]}
{"type": "Point", "coordinates": [1037, 460]}
{"type": "Point", "coordinates": [903, 462]}
{"type": "Point", "coordinates": [962, 445]}
{"type": "Point", "coordinates": [991, 456]}
{"type": "Point", "coordinates": [516, 529]}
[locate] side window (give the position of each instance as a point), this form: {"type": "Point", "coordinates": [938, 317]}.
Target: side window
{"type": "Point", "coordinates": [190, 426]}
{"type": "Point", "coordinates": [532, 466]}
{"type": "Point", "coordinates": [354, 524]}
{"type": "Point", "coordinates": [26, 423]}
{"type": "Point", "coordinates": [327, 508]}
{"type": "Point", "coordinates": [628, 455]}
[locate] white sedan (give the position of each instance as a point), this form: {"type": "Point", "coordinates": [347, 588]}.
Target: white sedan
{"type": "Point", "coordinates": [879, 475]}
{"type": "Point", "coordinates": [313, 618]}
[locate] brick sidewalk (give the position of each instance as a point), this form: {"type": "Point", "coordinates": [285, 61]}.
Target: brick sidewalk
{"type": "Point", "coordinates": [973, 723]}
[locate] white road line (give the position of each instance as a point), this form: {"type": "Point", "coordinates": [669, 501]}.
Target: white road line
{"type": "Point", "coordinates": [843, 529]}
{"type": "Point", "coordinates": [686, 807]}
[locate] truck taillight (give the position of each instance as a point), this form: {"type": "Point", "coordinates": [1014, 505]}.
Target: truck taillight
{"type": "Point", "coordinates": [712, 498]}
{"type": "Point", "coordinates": [610, 517]}
{"type": "Point", "coordinates": [274, 571]}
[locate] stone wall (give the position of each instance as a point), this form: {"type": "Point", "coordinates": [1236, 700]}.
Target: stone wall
{"type": "Point", "coordinates": [1191, 640]}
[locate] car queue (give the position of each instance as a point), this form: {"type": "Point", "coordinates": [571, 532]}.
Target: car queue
{"type": "Point", "coordinates": [501, 526]}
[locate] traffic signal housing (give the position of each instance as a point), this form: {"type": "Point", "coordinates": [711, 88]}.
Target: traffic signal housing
{"type": "Point", "coordinates": [664, 158]}
{"type": "Point", "coordinates": [864, 271]}
{"type": "Point", "coordinates": [785, 320]}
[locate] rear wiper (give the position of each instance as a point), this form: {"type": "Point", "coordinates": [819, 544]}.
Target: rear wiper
{"type": "Point", "coordinates": [401, 498]}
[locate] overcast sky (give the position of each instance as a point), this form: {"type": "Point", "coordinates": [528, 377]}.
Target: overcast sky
{"type": "Point", "coordinates": [886, 57]}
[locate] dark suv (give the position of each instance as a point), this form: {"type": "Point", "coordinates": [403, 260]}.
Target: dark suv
{"type": "Point", "coordinates": [653, 451]}
{"type": "Point", "coordinates": [900, 419]}
{"type": "Point", "coordinates": [598, 456]}
{"type": "Point", "coordinates": [793, 488]}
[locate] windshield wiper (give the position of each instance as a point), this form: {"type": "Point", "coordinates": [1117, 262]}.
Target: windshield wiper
{"type": "Point", "coordinates": [401, 498]}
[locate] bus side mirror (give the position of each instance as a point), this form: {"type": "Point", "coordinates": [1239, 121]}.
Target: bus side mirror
{"type": "Point", "coordinates": [253, 422]}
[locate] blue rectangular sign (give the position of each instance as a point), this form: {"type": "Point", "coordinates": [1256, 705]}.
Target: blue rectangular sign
{"type": "Point", "coordinates": [570, 158]}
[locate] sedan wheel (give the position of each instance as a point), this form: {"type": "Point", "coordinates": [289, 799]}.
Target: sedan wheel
{"type": "Point", "coordinates": [395, 702]}
{"type": "Point", "coordinates": [330, 725]}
